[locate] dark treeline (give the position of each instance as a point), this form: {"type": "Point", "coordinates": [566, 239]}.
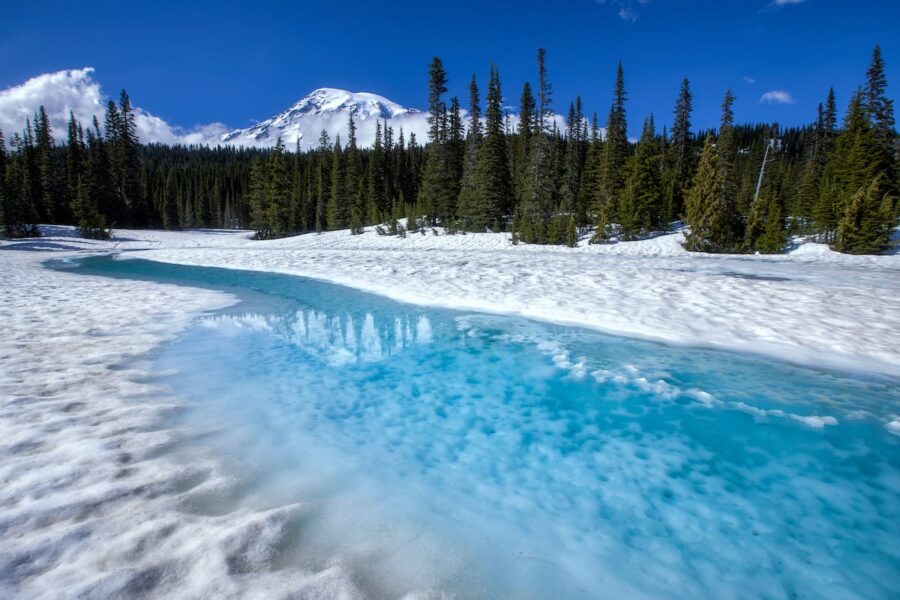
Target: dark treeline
{"type": "Point", "coordinates": [835, 179]}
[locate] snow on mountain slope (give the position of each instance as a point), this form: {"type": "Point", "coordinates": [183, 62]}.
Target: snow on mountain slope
{"type": "Point", "coordinates": [329, 109]}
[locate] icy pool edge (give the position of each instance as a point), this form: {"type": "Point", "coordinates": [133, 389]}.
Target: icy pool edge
{"type": "Point", "coordinates": [89, 503]}
{"type": "Point", "coordinates": [794, 354]}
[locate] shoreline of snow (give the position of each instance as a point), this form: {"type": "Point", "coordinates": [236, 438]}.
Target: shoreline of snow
{"type": "Point", "coordinates": [811, 306]}
{"type": "Point", "coordinates": [770, 350]}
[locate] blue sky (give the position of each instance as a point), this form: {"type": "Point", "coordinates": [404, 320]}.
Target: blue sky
{"type": "Point", "coordinates": [236, 62]}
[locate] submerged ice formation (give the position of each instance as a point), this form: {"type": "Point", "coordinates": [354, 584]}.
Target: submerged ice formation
{"type": "Point", "coordinates": [334, 339]}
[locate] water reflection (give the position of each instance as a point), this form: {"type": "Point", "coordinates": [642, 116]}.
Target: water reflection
{"type": "Point", "coordinates": [335, 339]}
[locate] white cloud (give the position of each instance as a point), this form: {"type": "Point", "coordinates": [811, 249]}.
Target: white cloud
{"type": "Point", "coordinates": [749, 79]}
{"type": "Point", "coordinates": [76, 91]}
{"type": "Point", "coordinates": [627, 9]}
{"type": "Point", "coordinates": [776, 4]}
{"type": "Point", "coordinates": [60, 93]}
{"type": "Point", "coordinates": [777, 97]}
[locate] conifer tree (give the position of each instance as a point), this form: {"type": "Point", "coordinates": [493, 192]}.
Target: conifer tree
{"type": "Point", "coordinates": [825, 208]}
{"type": "Point", "coordinates": [829, 122]}
{"type": "Point", "coordinates": [20, 215]}
{"type": "Point", "coordinates": [726, 145]}
{"type": "Point", "coordinates": [446, 210]}
{"type": "Point", "coordinates": [571, 232]}
{"type": "Point", "coordinates": [615, 154]}
{"type": "Point", "coordinates": [590, 181]}
{"type": "Point", "coordinates": [354, 192]}
{"type": "Point", "coordinates": [259, 206]}
{"type": "Point", "coordinates": [573, 162]}
{"type": "Point", "coordinates": [851, 166]}
{"type": "Point", "coordinates": [866, 221]}
{"type": "Point", "coordinates": [880, 109]}
{"type": "Point", "coordinates": [338, 216]}
{"type": "Point", "coordinates": [323, 181]}
{"type": "Point", "coordinates": [435, 182]}
{"type": "Point", "coordinates": [297, 208]}
{"type": "Point", "coordinates": [812, 173]}
{"type": "Point", "coordinates": [377, 201]}
{"type": "Point", "coordinates": [278, 191]}
{"type": "Point", "coordinates": [493, 181]}
{"type": "Point", "coordinates": [681, 160]}
{"type": "Point", "coordinates": [524, 138]}
{"type": "Point", "coordinates": [117, 211]}
{"type": "Point", "coordinates": [774, 235]}
{"type": "Point", "coordinates": [707, 209]}
{"type": "Point", "coordinates": [50, 199]}
{"type": "Point", "coordinates": [100, 179]}
{"type": "Point", "coordinates": [538, 198]}
{"type": "Point", "coordinates": [91, 223]}
{"type": "Point", "coordinates": [857, 185]}
{"type": "Point", "coordinates": [468, 187]}
{"type": "Point", "coordinates": [75, 157]}
{"type": "Point", "coordinates": [124, 154]}
{"type": "Point", "coordinates": [642, 207]}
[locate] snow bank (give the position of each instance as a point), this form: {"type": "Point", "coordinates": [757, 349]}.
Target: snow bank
{"type": "Point", "coordinates": [812, 306]}
{"type": "Point", "coordinates": [90, 503]}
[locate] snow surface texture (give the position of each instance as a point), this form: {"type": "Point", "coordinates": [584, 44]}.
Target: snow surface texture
{"type": "Point", "coordinates": [90, 506]}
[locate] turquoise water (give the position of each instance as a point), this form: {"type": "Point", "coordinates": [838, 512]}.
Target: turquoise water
{"type": "Point", "coordinates": [496, 457]}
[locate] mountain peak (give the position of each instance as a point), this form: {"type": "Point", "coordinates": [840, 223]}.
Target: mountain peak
{"type": "Point", "coordinates": [329, 109]}
{"type": "Point", "coordinates": [360, 104]}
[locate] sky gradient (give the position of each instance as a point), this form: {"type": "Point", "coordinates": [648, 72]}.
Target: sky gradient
{"type": "Point", "coordinates": [236, 64]}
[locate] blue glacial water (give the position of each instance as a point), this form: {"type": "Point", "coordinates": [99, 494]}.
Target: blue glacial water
{"type": "Point", "coordinates": [497, 457]}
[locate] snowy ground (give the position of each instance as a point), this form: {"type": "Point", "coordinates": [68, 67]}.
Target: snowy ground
{"type": "Point", "coordinates": [87, 502]}
{"type": "Point", "coordinates": [88, 506]}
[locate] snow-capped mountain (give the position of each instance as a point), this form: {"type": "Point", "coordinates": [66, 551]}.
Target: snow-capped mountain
{"type": "Point", "coordinates": [329, 109]}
